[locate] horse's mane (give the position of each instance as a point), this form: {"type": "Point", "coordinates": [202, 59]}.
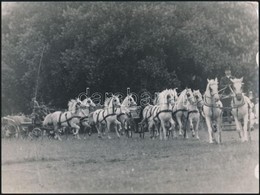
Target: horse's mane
{"type": "Point", "coordinates": [211, 81]}
{"type": "Point", "coordinates": [125, 101]}
{"type": "Point", "coordinates": [106, 101]}
{"type": "Point", "coordinates": [181, 96]}
{"type": "Point", "coordinates": [72, 105]}
{"type": "Point", "coordinates": [162, 97]}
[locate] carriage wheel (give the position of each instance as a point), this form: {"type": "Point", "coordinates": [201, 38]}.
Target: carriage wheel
{"type": "Point", "coordinates": [36, 133]}
{"type": "Point", "coordinates": [9, 131]}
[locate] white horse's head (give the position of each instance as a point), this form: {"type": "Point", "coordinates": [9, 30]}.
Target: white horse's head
{"type": "Point", "coordinates": [74, 105]}
{"type": "Point", "coordinates": [113, 101]}
{"type": "Point", "coordinates": [88, 102]}
{"type": "Point", "coordinates": [237, 87]}
{"type": "Point", "coordinates": [166, 97]}
{"type": "Point", "coordinates": [129, 101]}
{"type": "Point", "coordinates": [189, 95]}
{"type": "Point", "coordinates": [198, 97]}
{"type": "Point", "coordinates": [212, 88]}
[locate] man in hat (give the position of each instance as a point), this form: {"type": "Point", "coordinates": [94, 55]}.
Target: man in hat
{"type": "Point", "coordinates": [224, 85]}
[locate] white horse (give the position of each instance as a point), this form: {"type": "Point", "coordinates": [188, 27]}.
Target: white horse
{"type": "Point", "coordinates": [180, 109]}
{"type": "Point", "coordinates": [240, 109]}
{"type": "Point", "coordinates": [65, 119]}
{"type": "Point", "coordinates": [123, 114]}
{"type": "Point", "coordinates": [84, 120]}
{"type": "Point", "coordinates": [160, 115]}
{"type": "Point", "coordinates": [194, 113]}
{"type": "Point", "coordinates": [163, 103]}
{"type": "Point", "coordinates": [103, 118]}
{"type": "Point", "coordinates": [87, 104]}
{"type": "Point", "coordinates": [212, 109]}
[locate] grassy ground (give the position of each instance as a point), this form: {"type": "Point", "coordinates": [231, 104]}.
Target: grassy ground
{"type": "Point", "coordinates": [131, 165]}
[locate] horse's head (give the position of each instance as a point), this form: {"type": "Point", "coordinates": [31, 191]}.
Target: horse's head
{"type": "Point", "coordinates": [172, 96]}
{"type": "Point", "coordinates": [237, 87]}
{"type": "Point", "coordinates": [198, 97]}
{"type": "Point", "coordinates": [189, 95]}
{"type": "Point", "coordinates": [130, 100]}
{"type": "Point", "coordinates": [213, 88]}
{"type": "Point", "coordinates": [74, 105]}
{"type": "Point", "coordinates": [115, 101]}
{"type": "Point", "coordinates": [166, 97]}
{"type": "Point", "coordinates": [88, 102]}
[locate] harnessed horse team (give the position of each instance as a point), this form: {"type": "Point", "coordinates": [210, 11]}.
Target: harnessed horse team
{"type": "Point", "coordinates": [169, 114]}
{"type": "Point", "coordinates": [169, 111]}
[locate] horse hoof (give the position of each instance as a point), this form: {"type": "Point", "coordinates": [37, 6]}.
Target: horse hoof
{"type": "Point", "coordinates": [197, 138]}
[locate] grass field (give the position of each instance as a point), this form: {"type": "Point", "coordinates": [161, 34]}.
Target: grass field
{"type": "Point", "coordinates": [131, 165]}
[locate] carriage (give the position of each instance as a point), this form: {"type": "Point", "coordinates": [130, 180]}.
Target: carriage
{"type": "Point", "coordinates": [25, 126]}
{"type": "Point", "coordinates": [228, 123]}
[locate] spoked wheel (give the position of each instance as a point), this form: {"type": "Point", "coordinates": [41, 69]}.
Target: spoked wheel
{"type": "Point", "coordinates": [9, 131]}
{"type": "Point", "coordinates": [36, 133]}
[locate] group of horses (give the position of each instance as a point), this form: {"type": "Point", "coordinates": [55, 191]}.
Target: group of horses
{"type": "Point", "coordinates": [167, 116]}
{"type": "Point", "coordinates": [164, 117]}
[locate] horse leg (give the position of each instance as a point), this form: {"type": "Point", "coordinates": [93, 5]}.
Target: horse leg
{"type": "Point", "coordinates": [219, 130]}
{"type": "Point", "coordinates": [238, 128]}
{"type": "Point", "coordinates": [108, 130]}
{"type": "Point", "coordinates": [172, 128]}
{"type": "Point", "coordinates": [151, 129]}
{"type": "Point", "coordinates": [98, 125]}
{"type": "Point", "coordinates": [76, 127]}
{"type": "Point", "coordinates": [197, 127]}
{"type": "Point", "coordinates": [163, 130]}
{"type": "Point", "coordinates": [209, 129]}
{"type": "Point", "coordinates": [118, 124]}
{"type": "Point", "coordinates": [86, 126]}
{"type": "Point", "coordinates": [245, 127]}
{"type": "Point", "coordinates": [178, 117]}
{"type": "Point", "coordinates": [191, 126]}
{"type": "Point", "coordinates": [56, 133]}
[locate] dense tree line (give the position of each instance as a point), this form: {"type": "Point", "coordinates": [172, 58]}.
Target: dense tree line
{"type": "Point", "coordinates": [109, 46]}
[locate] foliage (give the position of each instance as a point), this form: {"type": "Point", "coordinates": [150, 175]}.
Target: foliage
{"type": "Point", "coordinates": [109, 46]}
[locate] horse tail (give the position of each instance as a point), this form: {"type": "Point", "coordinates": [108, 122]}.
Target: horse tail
{"type": "Point", "coordinates": [48, 120]}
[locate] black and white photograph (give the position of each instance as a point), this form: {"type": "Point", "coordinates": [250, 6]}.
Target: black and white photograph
{"type": "Point", "coordinates": [130, 97]}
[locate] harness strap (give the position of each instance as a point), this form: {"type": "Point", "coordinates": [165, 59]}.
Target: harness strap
{"type": "Point", "coordinates": [192, 111]}
{"type": "Point", "coordinates": [82, 119]}
{"type": "Point", "coordinates": [183, 110]}
{"type": "Point", "coordinates": [67, 120]}
{"type": "Point", "coordinates": [120, 115]}
{"type": "Point", "coordinates": [157, 115]}
{"type": "Point", "coordinates": [59, 123]}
